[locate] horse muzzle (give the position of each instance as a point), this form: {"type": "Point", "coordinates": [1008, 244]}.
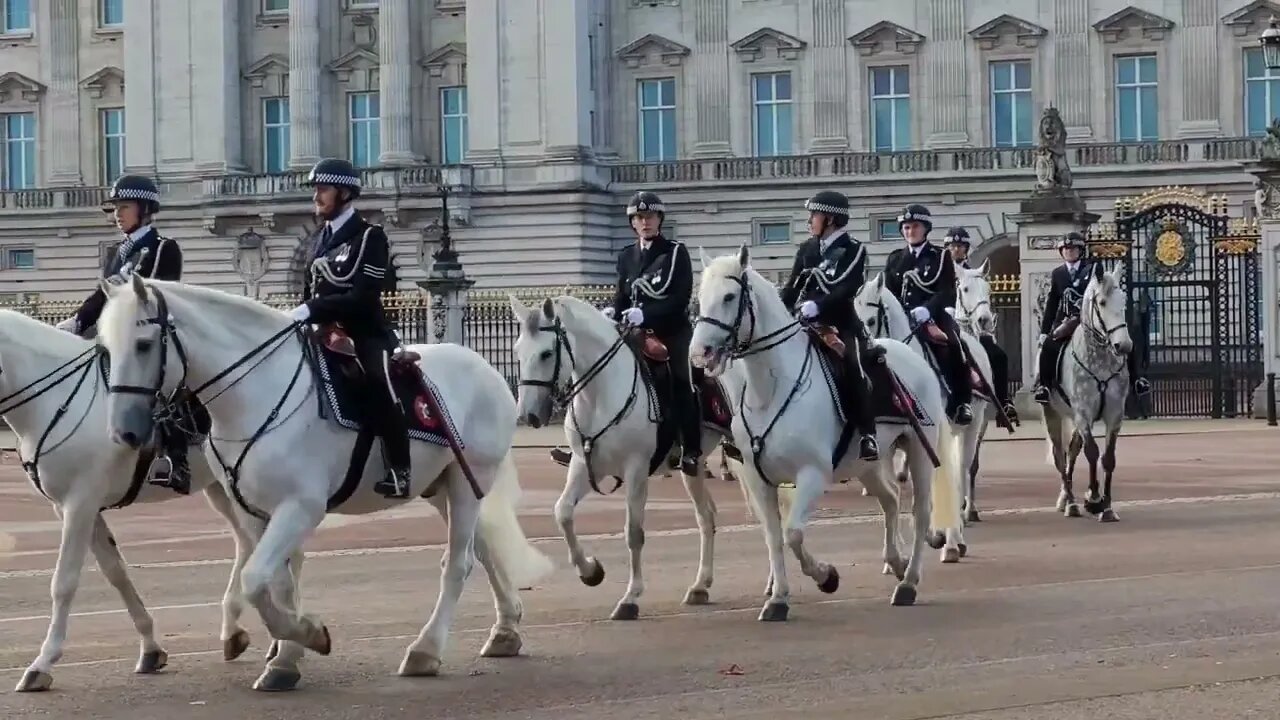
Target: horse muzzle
{"type": "Point", "coordinates": [135, 429]}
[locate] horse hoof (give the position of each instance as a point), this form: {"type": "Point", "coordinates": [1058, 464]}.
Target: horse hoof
{"type": "Point", "coordinates": [1094, 507]}
{"type": "Point", "coordinates": [866, 492]}
{"type": "Point", "coordinates": [1072, 511]}
{"type": "Point", "coordinates": [774, 612]}
{"type": "Point", "coordinates": [887, 570]}
{"type": "Point", "coordinates": [951, 555]}
{"type": "Point", "coordinates": [273, 651]}
{"type": "Point", "coordinates": [972, 516]}
{"type": "Point", "coordinates": [903, 596]}
{"type": "Point", "coordinates": [964, 549]}
{"type": "Point", "coordinates": [322, 644]}
{"type": "Point", "coordinates": [595, 576]}
{"type": "Point", "coordinates": [502, 643]}
{"type": "Point", "coordinates": [832, 583]}
{"type": "Point", "coordinates": [697, 596]}
{"type": "Point", "coordinates": [937, 539]}
{"type": "Point", "coordinates": [152, 662]}
{"type": "Point", "coordinates": [34, 681]}
{"type": "Point", "coordinates": [419, 664]}
{"type": "Point", "coordinates": [1108, 516]}
{"type": "Point", "coordinates": [1061, 504]}
{"type": "Point", "coordinates": [625, 611]}
{"type": "Point", "coordinates": [234, 646]}
{"type": "Point", "coordinates": [277, 680]}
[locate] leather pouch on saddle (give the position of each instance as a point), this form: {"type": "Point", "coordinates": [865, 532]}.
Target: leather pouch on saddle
{"type": "Point", "coordinates": [649, 345]}
{"type": "Point", "coordinates": [1066, 329]}
{"type": "Point", "coordinates": [829, 337]}
{"type": "Point", "coordinates": [936, 335]}
{"type": "Point", "coordinates": [336, 340]}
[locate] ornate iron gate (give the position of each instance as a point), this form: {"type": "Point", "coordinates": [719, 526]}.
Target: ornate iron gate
{"type": "Point", "coordinates": [1193, 277]}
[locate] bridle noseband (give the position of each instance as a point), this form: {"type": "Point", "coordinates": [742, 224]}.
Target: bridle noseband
{"type": "Point", "coordinates": [164, 321]}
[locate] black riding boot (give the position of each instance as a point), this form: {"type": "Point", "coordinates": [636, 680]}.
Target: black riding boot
{"type": "Point", "coordinates": [858, 405]}
{"type": "Point", "coordinates": [685, 402]}
{"type": "Point", "coordinates": [394, 426]}
{"type": "Point", "coordinates": [561, 456]}
{"type": "Point", "coordinates": [176, 475]}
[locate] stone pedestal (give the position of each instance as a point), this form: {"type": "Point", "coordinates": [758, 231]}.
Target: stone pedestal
{"type": "Point", "coordinates": [1043, 219]}
{"type": "Point", "coordinates": [1267, 204]}
{"type": "Point", "coordinates": [446, 286]}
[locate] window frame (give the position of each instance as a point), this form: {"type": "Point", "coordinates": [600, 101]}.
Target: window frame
{"type": "Point", "coordinates": [1137, 86]}
{"type": "Point", "coordinates": [7, 253]}
{"type": "Point", "coordinates": [658, 110]}
{"type": "Point", "coordinates": [6, 182]}
{"type": "Point", "coordinates": [5, 28]}
{"type": "Point", "coordinates": [104, 139]}
{"type": "Point", "coordinates": [461, 118]}
{"type": "Point", "coordinates": [268, 127]}
{"type": "Point", "coordinates": [1029, 91]}
{"type": "Point", "coordinates": [893, 98]}
{"type": "Point", "coordinates": [761, 225]}
{"type": "Point", "coordinates": [1270, 82]}
{"type": "Point", "coordinates": [372, 121]}
{"type": "Point", "coordinates": [774, 105]}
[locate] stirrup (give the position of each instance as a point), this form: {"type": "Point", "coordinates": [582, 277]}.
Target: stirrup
{"type": "Point", "coordinates": [868, 448]}
{"type": "Point", "coordinates": [395, 484]}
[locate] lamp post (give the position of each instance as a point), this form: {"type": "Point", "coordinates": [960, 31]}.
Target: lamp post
{"type": "Point", "coordinates": [1270, 42]}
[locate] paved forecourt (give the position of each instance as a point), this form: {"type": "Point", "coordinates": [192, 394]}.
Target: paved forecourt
{"type": "Point", "coordinates": [1170, 613]}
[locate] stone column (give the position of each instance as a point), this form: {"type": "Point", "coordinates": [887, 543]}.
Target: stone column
{"type": "Point", "coordinates": [217, 136]}
{"type": "Point", "coordinates": [566, 89]}
{"type": "Point", "coordinates": [485, 41]}
{"type": "Point", "coordinates": [947, 75]}
{"type": "Point", "coordinates": [140, 88]}
{"type": "Point", "coordinates": [1267, 203]}
{"type": "Point", "coordinates": [1071, 62]}
{"type": "Point", "coordinates": [1043, 219]}
{"type": "Point", "coordinates": [395, 75]}
{"type": "Point", "coordinates": [710, 78]}
{"type": "Point", "coordinates": [1200, 69]}
{"type": "Point", "coordinates": [304, 83]}
{"type": "Point", "coordinates": [64, 93]}
{"type": "Point", "coordinates": [829, 78]}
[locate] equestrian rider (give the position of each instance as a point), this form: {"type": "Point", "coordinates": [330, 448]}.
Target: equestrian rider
{"type": "Point", "coordinates": [923, 279]}
{"type": "Point", "coordinates": [829, 269]}
{"type": "Point", "coordinates": [345, 287]}
{"type": "Point", "coordinates": [1066, 291]}
{"type": "Point", "coordinates": [135, 200]}
{"type": "Point", "coordinates": [958, 243]}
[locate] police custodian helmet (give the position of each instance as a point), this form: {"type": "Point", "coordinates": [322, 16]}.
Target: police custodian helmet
{"type": "Point", "coordinates": [916, 213]}
{"type": "Point", "coordinates": [832, 203]}
{"type": "Point", "coordinates": [1071, 239]}
{"type": "Point", "coordinates": [134, 187]}
{"type": "Point", "coordinates": [336, 172]}
{"type": "Point", "coordinates": [958, 236]}
{"type": "Point", "coordinates": [645, 201]}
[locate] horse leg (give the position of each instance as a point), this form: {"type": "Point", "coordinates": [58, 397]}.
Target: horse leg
{"type": "Point", "coordinates": [764, 499]}
{"type": "Point", "coordinates": [78, 521]}
{"type": "Point", "coordinates": [886, 493]}
{"type": "Point", "coordinates": [956, 547]}
{"type": "Point", "coordinates": [705, 508]}
{"type": "Point", "coordinates": [235, 639]}
{"type": "Point", "coordinates": [637, 487]}
{"type": "Point", "coordinates": [1108, 514]}
{"type": "Point", "coordinates": [810, 484]}
{"type": "Point", "coordinates": [971, 489]}
{"type": "Point", "coordinates": [576, 486]}
{"type": "Point", "coordinates": [424, 654]}
{"type": "Point", "coordinates": [922, 472]}
{"type": "Point", "coordinates": [152, 658]}
{"type": "Point", "coordinates": [290, 524]}
{"type": "Point", "coordinates": [1070, 508]}
{"type": "Point", "coordinates": [1093, 502]}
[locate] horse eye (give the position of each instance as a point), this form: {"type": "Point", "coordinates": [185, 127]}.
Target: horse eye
{"type": "Point", "coordinates": [546, 355]}
{"type": "Point", "coordinates": [728, 297]}
{"type": "Point", "coordinates": [144, 345]}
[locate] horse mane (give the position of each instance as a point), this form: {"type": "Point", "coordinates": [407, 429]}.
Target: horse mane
{"type": "Point", "coordinates": [583, 316]}
{"type": "Point", "coordinates": [123, 303]}
{"type": "Point", "coordinates": [17, 329]}
{"type": "Point", "coordinates": [728, 266]}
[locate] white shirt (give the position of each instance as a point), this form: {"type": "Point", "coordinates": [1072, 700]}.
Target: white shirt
{"type": "Point", "coordinates": [1072, 267]}
{"type": "Point", "coordinates": [339, 221]}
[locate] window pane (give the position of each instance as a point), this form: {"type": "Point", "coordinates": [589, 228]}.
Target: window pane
{"type": "Point", "coordinates": [783, 129]}
{"type": "Point", "coordinates": [1002, 112]}
{"type": "Point", "coordinates": [1150, 126]}
{"type": "Point", "coordinates": [1127, 114]}
{"type": "Point", "coordinates": [1022, 75]}
{"type": "Point", "coordinates": [902, 124]}
{"type": "Point", "coordinates": [650, 141]}
{"type": "Point", "coordinates": [648, 93]}
{"type": "Point", "coordinates": [1273, 97]}
{"type": "Point", "coordinates": [782, 86]}
{"type": "Point", "coordinates": [1147, 69]}
{"type": "Point", "coordinates": [273, 5]}
{"type": "Point", "coordinates": [764, 129]}
{"type": "Point", "coordinates": [449, 102]}
{"type": "Point", "coordinates": [1000, 76]}
{"type": "Point", "coordinates": [1256, 98]}
{"type": "Point", "coordinates": [889, 229]}
{"type": "Point", "coordinates": [775, 233]}
{"type": "Point", "coordinates": [375, 109]}
{"type": "Point", "coordinates": [901, 81]}
{"type": "Point", "coordinates": [112, 12]}
{"type": "Point", "coordinates": [763, 87]}
{"type": "Point", "coordinates": [1022, 121]}
{"type": "Point", "coordinates": [23, 259]}
{"type": "Point", "coordinates": [881, 81]}
{"type": "Point", "coordinates": [17, 15]}
{"type": "Point", "coordinates": [668, 134]}
{"type": "Point", "coordinates": [1125, 71]}
{"type": "Point", "coordinates": [1253, 64]}
{"type": "Point", "coordinates": [667, 89]}
{"type": "Point", "coordinates": [882, 122]}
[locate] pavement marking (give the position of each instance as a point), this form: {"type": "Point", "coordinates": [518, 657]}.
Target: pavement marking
{"type": "Point", "coordinates": [859, 519]}
{"type": "Point", "coordinates": [702, 612]}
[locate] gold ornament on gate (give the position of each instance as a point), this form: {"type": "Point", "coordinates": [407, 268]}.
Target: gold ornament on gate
{"type": "Point", "coordinates": [1171, 249]}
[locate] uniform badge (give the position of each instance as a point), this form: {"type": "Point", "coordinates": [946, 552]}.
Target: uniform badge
{"type": "Point", "coordinates": [657, 278]}
{"type": "Point", "coordinates": [342, 256]}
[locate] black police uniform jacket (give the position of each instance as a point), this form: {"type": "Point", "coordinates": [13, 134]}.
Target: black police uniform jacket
{"type": "Point", "coordinates": [660, 281]}
{"type": "Point", "coordinates": [345, 282]}
{"type": "Point", "coordinates": [150, 256]}
{"type": "Point", "coordinates": [927, 279]}
{"type": "Point", "coordinates": [1066, 290]}
{"type": "Point", "coordinates": [830, 279]}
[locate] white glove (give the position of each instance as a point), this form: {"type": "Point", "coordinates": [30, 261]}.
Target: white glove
{"type": "Point", "coordinates": [607, 312]}
{"type": "Point", "coordinates": [808, 309]}
{"type": "Point", "coordinates": [634, 316]}
{"type": "Point", "coordinates": [921, 314]}
{"type": "Point", "coordinates": [70, 325]}
{"type": "Point", "coordinates": [300, 313]}
{"type": "Point", "coordinates": [1040, 340]}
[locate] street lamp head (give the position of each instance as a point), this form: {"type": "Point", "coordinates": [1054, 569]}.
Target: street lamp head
{"type": "Point", "coordinates": [1270, 42]}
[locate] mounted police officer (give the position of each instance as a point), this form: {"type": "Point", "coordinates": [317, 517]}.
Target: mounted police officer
{"type": "Point", "coordinates": [923, 279]}
{"type": "Point", "coordinates": [829, 269]}
{"type": "Point", "coordinates": [134, 200]}
{"type": "Point", "coordinates": [1067, 285]}
{"type": "Point", "coordinates": [958, 244]}
{"type": "Point", "coordinates": [345, 286]}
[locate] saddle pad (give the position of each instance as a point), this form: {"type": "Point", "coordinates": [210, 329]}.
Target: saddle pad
{"type": "Point", "coordinates": [887, 407]}
{"type": "Point", "coordinates": [340, 398]}
{"type": "Point", "coordinates": [715, 406]}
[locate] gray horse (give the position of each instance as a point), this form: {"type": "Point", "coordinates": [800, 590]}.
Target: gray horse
{"type": "Point", "coordinates": [1093, 386]}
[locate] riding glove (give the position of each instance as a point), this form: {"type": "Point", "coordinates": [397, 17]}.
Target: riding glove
{"type": "Point", "coordinates": [300, 313]}
{"type": "Point", "coordinates": [808, 309]}
{"type": "Point", "coordinates": [634, 316]}
{"type": "Point", "coordinates": [70, 325]}
{"type": "Point", "coordinates": [1040, 340]}
{"type": "Point", "coordinates": [607, 312]}
{"type": "Point", "coordinates": [921, 314]}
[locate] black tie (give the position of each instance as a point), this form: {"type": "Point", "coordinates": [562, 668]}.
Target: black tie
{"type": "Point", "coordinates": [325, 236]}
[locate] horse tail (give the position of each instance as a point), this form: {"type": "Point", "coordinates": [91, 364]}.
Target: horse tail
{"type": "Point", "coordinates": [945, 514]}
{"type": "Point", "coordinates": [499, 526]}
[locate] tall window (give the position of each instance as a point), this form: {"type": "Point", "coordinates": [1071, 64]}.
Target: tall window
{"type": "Point", "coordinates": [275, 134]}
{"type": "Point", "coordinates": [657, 103]}
{"type": "Point", "coordinates": [1137, 114]}
{"type": "Point", "coordinates": [15, 15]}
{"type": "Point", "coordinates": [366, 142]}
{"type": "Point", "coordinates": [111, 13]}
{"type": "Point", "coordinates": [112, 161]}
{"type": "Point", "coordinates": [1262, 92]}
{"type": "Point", "coordinates": [890, 108]}
{"type": "Point", "coordinates": [771, 95]}
{"type": "Point", "coordinates": [18, 148]}
{"type": "Point", "coordinates": [453, 124]}
{"type": "Point", "coordinates": [1011, 119]}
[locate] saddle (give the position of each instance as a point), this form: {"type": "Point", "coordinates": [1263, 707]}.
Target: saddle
{"type": "Point", "coordinates": [1066, 329]}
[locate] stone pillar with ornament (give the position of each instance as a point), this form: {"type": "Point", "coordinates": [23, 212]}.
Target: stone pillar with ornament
{"type": "Point", "coordinates": [447, 284]}
{"type": "Point", "coordinates": [1052, 210]}
{"type": "Point", "coordinates": [1266, 200]}
{"type": "Point", "coordinates": [251, 261]}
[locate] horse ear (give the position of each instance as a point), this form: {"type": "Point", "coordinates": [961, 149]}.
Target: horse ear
{"type": "Point", "coordinates": [107, 288]}
{"type": "Point", "coordinates": [548, 309]}
{"type": "Point", "coordinates": [138, 288]}
{"type": "Point", "coordinates": [519, 309]}
{"type": "Point", "coordinates": [879, 282]}
{"type": "Point", "coordinates": [744, 256]}
{"type": "Point", "coordinates": [1098, 272]}
{"type": "Point", "coordinates": [702, 258]}
{"type": "Point", "coordinates": [986, 265]}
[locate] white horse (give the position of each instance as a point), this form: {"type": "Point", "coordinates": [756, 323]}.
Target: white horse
{"type": "Point", "coordinates": [160, 332]}
{"type": "Point", "coordinates": [786, 423]}
{"type": "Point", "coordinates": [885, 317]}
{"type": "Point", "coordinates": [53, 396]}
{"type": "Point", "coordinates": [567, 348]}
{"type": "Point", "coordinates": [1093, 385]}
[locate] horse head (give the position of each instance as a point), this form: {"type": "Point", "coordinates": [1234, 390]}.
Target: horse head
{"type": "Point", "coordinates": [973, 299]}
{"type": "Point", "coordinates": [543, 358]}
{"type": "Point", "coordinates": [1104, 311]}
{"type": "Point", "coordinates": [880, 311]}
{"type": "Point", "coordinates": [734, 310]}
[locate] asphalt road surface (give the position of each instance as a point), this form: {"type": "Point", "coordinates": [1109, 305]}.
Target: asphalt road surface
{"type": "Point", "coordinates": [1172, 613]}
